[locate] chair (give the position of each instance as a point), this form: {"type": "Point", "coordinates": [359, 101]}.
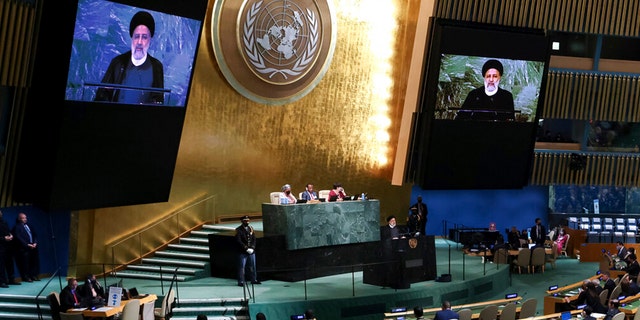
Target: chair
{"type": "Point", "coordinates": [131, 310]}
{"type": "Point", "coordinates": [166, 307]}
{"type": "Point", "coordinates": [466, 314]}
{"type": "Point", "coordinates": [564, 247]}
{"type": "Point", "coordinates": [528, 308]}
{"type": "Point", "coordinates": [509, 312]}
{"type": "Point", "coordinates": [551, 234]}
{"type": "Point", "coordinates": [323, 194]}
{"type": "Point", "coordinates": [618, 316]}
{"type": "Point", "coordinates": [501, 256]}
{"type": "Point", "coordinates": [300, 195]}
{"type": "Point", "coordinates": [603, 296]}
{"type": "Point", "coordinates": [489, 313]}
{"type": "Point", "coordinates": [551, 259]}
{"type": "Point", "coordinates": [538, 258]}
{"type": "Point", "coordinates": [275, 197]}
{"type": "Point", "coordinates": [54, 303]}
{"type": "Point", "coordinates": [523, 259]}
{"type": "Point", "coordinates": [636, 316]}
{"type": "Point", "coordinates": [71, 316]}
{"type": "Point", "coordinates": [616, 292]}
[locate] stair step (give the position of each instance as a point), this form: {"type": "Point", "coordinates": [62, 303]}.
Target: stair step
{"type": "Point", "coordinates": [149, 276]}
{"type": "Point", "coordinates": [156, 268]}
{"type": "Point", "coordinates": [213, 317]}
{"type": "Point", "coordinates": [194, 240]}
{"type": "Point", "coordinates": [201, 234]}
{"type": "Point", "coordinates": [175, 262]}
{"type": "Point", "coordinates": [182, 255]}
{"type": "Point", "coordinates": [209, 301]}
{"type": "Point", "coordinates": [22, 306]}
{"type": "Point", "coordinates": [217, 228]}
{"type": "Point", "coordinates": [34, 316]}
{"type": "Point", "coordinates": [210, 309]}
{"type": "Point", "coordinates": [187, 247]}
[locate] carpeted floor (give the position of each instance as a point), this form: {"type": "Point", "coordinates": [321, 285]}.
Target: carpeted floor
{"type": "Point", "coordinates": [345, 296]}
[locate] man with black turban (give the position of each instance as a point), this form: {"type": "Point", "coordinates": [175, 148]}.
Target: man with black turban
{"type": "Point", "coordinates": [489, 102]}
{"type": "Point", "coordinates": [136, 70]}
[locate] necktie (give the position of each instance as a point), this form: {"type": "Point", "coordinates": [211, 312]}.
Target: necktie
{"type": "Point", "coordinates": [74, 296]}
{"type": "Point", "coordinates": [26, 228]}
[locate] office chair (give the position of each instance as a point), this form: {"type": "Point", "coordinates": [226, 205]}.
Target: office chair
{"type": "Point", "coordinates": [489, 313]}
{"type": "Point", "coordinates": [167, 304]}
{"type": "Point", "coordinates": [274, 197]}
{"type": "Point", "coordinates": [54, 303]}
{"type": "Point", "coordinates": [528, 308]}
{"type": "Point", "coordinates": [466, 314]}
{"type": "Point", "coordinates": [131, 310]}
{"type": "Point", "coordinates": [509, 311]}
{"type": "Point", "coordinates": [523, 259]}
{"type": "Point", "coordinates": [538, 259]}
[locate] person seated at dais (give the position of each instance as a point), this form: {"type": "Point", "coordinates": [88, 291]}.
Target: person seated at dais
{"type": "Point", "coordinates": [309, 194]}
{"type": "Point", "coordinates": [285, 196]}
{"type": "Point", "coordinates": [337, 193]}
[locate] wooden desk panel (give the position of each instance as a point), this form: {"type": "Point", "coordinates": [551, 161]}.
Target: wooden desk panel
{"type": "Point", "coordinates": [551, 300]}
{"type": "Point", "coordinates": [477, 306]}
{"type": "Point", "coordinates": [105, 312]}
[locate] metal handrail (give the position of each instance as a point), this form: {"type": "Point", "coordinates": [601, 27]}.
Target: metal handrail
{"type": "Point", "coordinates": [153, 227]}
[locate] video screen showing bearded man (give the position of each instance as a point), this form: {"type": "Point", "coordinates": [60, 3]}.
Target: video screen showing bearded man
{"type": "Point", "coordinates": [489, 102]}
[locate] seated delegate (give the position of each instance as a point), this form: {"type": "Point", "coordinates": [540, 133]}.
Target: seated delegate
{"type": "Point", "coordinates": [285, 196]}
{"type": "Point", "coordinates": [337, 193]}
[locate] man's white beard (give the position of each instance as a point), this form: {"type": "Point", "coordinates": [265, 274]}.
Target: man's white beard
{"type": "Point", "coordinates": [491, 90]}
{"type": "Point", "coordinates": [392, 225]}
{"type": "Point", "coordinates": [138, 62]}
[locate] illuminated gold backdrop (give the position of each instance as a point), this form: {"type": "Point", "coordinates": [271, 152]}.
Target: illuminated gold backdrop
{"type": "Point", "coordinates": [346, 130]}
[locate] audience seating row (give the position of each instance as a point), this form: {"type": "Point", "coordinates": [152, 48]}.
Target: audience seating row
{"type": "Point", "coordinates": [607, 230]}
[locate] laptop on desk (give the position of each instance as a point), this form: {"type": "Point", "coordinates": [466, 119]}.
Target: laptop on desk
{"type": "Point", "coordinates": [133, 294]}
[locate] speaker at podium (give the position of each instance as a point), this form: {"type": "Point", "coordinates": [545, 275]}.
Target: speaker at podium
{"type": "Point", "coordinates": [400, 262]}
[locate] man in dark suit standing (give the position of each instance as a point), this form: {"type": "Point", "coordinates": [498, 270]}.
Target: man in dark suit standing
{"type": "Point", "coordinates": [418, 216]}
{"type": "Point", "coordinates": [5, 242]}
{"type": "Point", "coordinates": [246, 239]}
{"type": "Point", "coordinates": [26, 249]}
{"type": "Point", "coordinates": [538, 233]}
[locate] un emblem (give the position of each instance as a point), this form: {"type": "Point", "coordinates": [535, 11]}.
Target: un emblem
{"type": "Point", "coordinates": [273, 52]}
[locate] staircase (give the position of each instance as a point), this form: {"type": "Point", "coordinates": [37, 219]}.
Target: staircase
{"type": "Point", "coordinates": [23, 307]}
{"type": "Point", "coordinates": [190, 256]}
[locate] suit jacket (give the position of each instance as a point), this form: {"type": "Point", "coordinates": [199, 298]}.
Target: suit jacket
{"type": "Point", "coordinates": [67, 300]}
{"type": "Point", "coordinates": [4, 231]}
{"type": "Point", "coordinates": [116, 72]}
{"type": "Point", "coordinates": [609, 285]}
{"type": "Point", "coordinates": [446, 315]}
{"type": "Point", "coordinates": [538, 238]}
{"type": "Point", "coordinates": [245, 238]}
{"type": "Point", "coordinates": [21, 236]}
{"type": "Point", "coordinates": [307, 196]}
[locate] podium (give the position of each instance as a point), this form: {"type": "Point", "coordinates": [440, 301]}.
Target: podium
{"type": "Point", "coordinates": [401, 262]}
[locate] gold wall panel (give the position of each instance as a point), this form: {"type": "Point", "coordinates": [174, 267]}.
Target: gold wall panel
{"type": "Point", "coordinates": [345, 130]}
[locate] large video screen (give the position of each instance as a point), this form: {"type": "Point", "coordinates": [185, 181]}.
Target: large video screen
{"type": "Point", "coordinates": [482, 89]}
{"type": "Point", "coordinates": [116, 58]}
{"type": "Point", "coordinates": [107, 104]}
{"type": "Point", "coordinates": [513, 88]}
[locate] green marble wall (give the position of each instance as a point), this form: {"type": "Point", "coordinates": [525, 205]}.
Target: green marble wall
{"type": "Point", "coordinates": [323, 224]}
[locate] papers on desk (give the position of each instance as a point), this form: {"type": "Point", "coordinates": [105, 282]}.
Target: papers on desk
{"type": "Point", "coordinates": [571, 293]}
{"type": "Point", "coordinates": [103, 309]}
{"type": "Point", "coordinates": [78, 309]}
{"type": "Point", "coordinates": [598, 315]}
